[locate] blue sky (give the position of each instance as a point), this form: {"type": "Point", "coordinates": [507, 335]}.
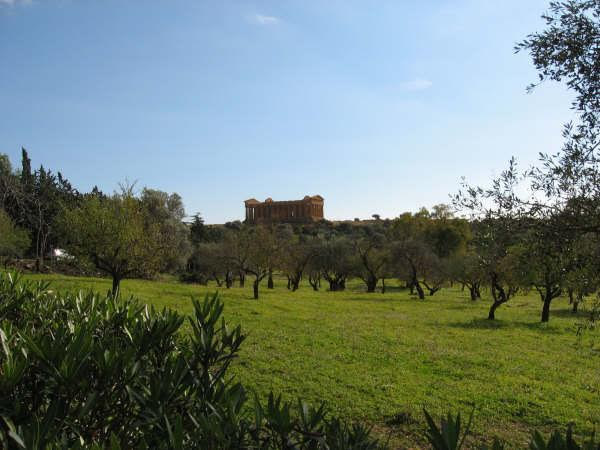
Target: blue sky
{"type": "Point", "coordinates": [380, 107]}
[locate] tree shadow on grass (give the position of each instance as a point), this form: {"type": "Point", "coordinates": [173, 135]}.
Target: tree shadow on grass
{"type": "Point", "coordinates": [373, 297]}
{"type": "Point", "coordinates": [398, 289]}
{"type": "Point", "coordinates": [499, 324]}
{"type": "Point", "coordinates": [569, 314]}
{"type": "Point", "coordinates": [462, 306]}
{"type": "Point", "coordinates": [388, 289]}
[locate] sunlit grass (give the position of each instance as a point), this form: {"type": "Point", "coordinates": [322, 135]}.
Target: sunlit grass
{"type": "Point", "coordinates": [382, 358]}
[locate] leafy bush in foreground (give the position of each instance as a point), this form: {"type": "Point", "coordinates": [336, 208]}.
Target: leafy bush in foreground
{"type": "Point", "coordinates": [92, 371]}
{"type": "Point", "coordinates": [451, 435]}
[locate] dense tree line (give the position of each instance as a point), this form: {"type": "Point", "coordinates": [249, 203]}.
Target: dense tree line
{"type": "Point", "coordinates": [121, 235]}
{"type": "Point", "coordinates": [33, 199]}
{"type": "Point", "coordinates": [128, 234]}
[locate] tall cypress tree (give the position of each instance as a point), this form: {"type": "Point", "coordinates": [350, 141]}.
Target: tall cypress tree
{"type": "Point", "coordinates": [26, 175]}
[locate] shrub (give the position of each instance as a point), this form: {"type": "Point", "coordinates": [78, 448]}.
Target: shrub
{"type": "Point", "coordinates": [450, 435]}
{"type": "Point", "coordinates": [90, 371]}
{"type": "Point", "coordinates": [557, 441]}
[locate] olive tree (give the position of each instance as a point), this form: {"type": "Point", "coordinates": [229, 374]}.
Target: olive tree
{"type": "Point", "coordinates": [211, 261]}
{"type": "Point", "coordinates": [294, 257]}
{"type": "Point", "coordinates": [559, 198]}
{"type": "Point", "coordinates": [413, 258]}
{"type": "Point", "coordinates": [466, 268]}
{"type": "Point", "coordinates": [114, 234]}
{"type": "Point", "coordinates": [583, 280]}
{"type": "Point", "coordinates": [497, 242]}
{"type": "Point", "coordinates": [259, 261]}
{"type": "Point", "coordinates": [547, 263]}
{"type": "Point", "coordinates": [373, 257]}
{"type": "Point", "coordinates": [334, 261]}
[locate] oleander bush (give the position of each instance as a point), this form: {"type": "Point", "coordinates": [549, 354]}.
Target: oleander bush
{"type": "Point", "coordinates": [451, 434]}
{"type": "Point", "coordinates": [83, 370]}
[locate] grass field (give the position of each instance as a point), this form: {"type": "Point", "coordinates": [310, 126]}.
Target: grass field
{"type": "Point", "coordinates": [382, 358]}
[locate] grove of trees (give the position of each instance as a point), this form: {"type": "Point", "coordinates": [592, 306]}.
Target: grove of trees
{"type": "Point", "coordinates": [494, 254]}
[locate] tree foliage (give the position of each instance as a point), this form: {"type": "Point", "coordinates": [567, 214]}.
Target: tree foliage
{"type": "Point", "coordinates": [166, 212]}
{"type": "Point", "coordinates": [14, 241]}
{"type": "Point", "coordinates": [34, 200]}
{"type": "Point", "coordinates": [558, 200]}
{"type": "Point", "coordinates": [116, 235]}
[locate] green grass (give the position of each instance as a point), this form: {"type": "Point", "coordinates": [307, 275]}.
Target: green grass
{"type": "Point", "coordinates": [382, 358]}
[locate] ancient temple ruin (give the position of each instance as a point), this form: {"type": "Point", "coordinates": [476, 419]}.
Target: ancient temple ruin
{"type": "Point", "coordinates": [309, 209]}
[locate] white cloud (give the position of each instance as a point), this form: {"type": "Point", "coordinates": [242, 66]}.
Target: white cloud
{"type": "Point", "coordinates": [261, 19]}
{"type": "Point", "coordinates": [14, 2]}
{"type": "Point", "coordinates": [418, 84]}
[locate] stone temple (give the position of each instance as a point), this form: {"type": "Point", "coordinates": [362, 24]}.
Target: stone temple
{"type": "Point", "coordinates": [309, 209]}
